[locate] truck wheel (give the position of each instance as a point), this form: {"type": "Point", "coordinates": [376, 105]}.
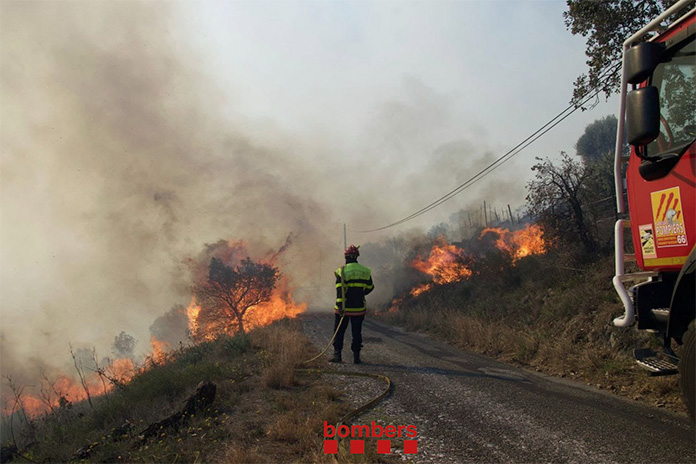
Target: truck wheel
{"type": "Point", "coordinates": [687, 369]}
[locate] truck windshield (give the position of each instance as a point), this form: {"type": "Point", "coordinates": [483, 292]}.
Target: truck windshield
{"type": "Point", "coordinates": [675, 79]}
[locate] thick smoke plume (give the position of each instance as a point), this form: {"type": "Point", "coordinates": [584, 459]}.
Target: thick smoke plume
{"type": "Point", "coordinates": [119, 162]}
{"type": "Point", "coordinates": [122, 157]}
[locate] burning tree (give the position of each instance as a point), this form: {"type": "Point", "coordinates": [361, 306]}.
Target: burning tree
{"type": "Point", "coordinates": [230, 292]}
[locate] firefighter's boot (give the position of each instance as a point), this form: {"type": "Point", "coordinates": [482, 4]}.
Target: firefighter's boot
{"type": "Point", "coordinates": [356, 357]}
{"type": "Point", "coordinates": [336, 357]}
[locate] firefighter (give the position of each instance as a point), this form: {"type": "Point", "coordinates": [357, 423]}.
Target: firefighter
{"type": "Point", "coordinates": [353, 282]}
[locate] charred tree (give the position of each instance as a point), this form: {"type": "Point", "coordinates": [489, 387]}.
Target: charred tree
{"type": "Point", "coordinates": [79, 367]}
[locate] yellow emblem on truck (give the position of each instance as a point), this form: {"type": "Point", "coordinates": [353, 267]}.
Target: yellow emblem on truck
{"type": "Point", "coordinates": [668, 218]}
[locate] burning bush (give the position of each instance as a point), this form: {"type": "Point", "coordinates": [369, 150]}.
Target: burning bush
{"type": "Point", "coordinates": [232, 294]}
{"type": "Point", "coordinates": [237, 294]}
{"type": "Point", "coordinates": [495, 251]}
{"type": "Point", "coordinates": [446, 263]}
{"type": "Point", "coordinates": [229, 292]}
{"type": "Point", "coordinates": [519, 243]}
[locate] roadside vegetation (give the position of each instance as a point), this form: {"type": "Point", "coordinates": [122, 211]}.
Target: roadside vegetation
{"type": "Point", "coordinates": [549, 311]}
{"type": "Point", "coordinates": [262, 411]}
{"type": "Point", "coordinates": [552, 312]}
{"type": "Point", "coordinates": [547, 316]}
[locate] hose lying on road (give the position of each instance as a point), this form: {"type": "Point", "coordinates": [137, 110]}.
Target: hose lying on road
{"type": "Point", "coordinates": [356, 412]}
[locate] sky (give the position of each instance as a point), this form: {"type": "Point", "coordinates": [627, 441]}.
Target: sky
{"type": "Point", "coordinates": [420, 91]}
{"type": "Point", "coordinates": [133, 133]}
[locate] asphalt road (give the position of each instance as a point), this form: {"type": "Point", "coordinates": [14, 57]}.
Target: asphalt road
{"type": "Point", "coordinates": [470, 408]}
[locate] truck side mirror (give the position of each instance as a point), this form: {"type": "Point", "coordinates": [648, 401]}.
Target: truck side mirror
{"type": "Point", "coordinates": [641, 60]}
{"type": "Point", "coordinates": [642, 115]}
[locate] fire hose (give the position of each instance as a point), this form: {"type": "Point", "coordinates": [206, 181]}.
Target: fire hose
{"type": "Point", "coordinates": [364, 407]}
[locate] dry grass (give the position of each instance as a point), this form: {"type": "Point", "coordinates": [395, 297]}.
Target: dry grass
{"type": "Point", "coordinates": [241, 453]}
{"type": "Point", "coordinates": [550, 320]}
{"type": "Point", "coordinates": [282, 350]}
{"type": "Point", "coordinates": [263, 411]}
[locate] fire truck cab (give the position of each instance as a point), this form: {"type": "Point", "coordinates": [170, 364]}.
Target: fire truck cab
{"type": "Point", "coordinates": [658, 117]}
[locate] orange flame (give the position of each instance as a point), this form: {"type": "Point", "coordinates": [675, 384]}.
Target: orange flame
{"type": "Point", "coordinates": [520, 243]}
{"type": "Point", "coordinates": [64, 388]}
{"type": "Point", "coordinates": [159, 350]}
{"type": "Point", "coordinates": [448, 263]}
{"type": "Point", "coordinates": [123, 370]}
{"type": "Point", "coordinates": [192, 313]}
{"type": "Point", "coordinates": [280, 305]}
{"type": "Point", "coordinates": [120, 370]}
{"type": "Point", "coordinates": [420, 289]}
{"type": "Point", "coordinates": [445, 264]}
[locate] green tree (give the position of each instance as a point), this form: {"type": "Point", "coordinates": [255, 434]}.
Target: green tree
{"type": "Point", "coordinates": [557, 198]}
{"type": "Point", "coordinates": [230, 292]}
{"type": "Point", "coordinates": [124, 345]}
{"type": "Point", "coordinates": [596, 149]}
{"type": "Point", "coordinates": [600, 199]}
{"type": "Point", "coordinates": [598, 140]}
{"type": "Point", "coordinates": [575, 201]}
{"type": "Point", "coordinates": [606, 25]}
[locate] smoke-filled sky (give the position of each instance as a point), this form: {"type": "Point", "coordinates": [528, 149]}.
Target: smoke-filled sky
{"type": "Point", "coordinates": [134, 133]}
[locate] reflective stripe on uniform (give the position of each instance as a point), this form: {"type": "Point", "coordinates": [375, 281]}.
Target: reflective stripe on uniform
{"type": "Point", "coordinates": [353, 282]}
{"type": "Point", "coordinates": [356, 285]}
{"type": "Point", "coordinates": [351, 313]}
{"type": "Point", "coordinates": [348, 310]}
{"type": "Point", "coordinates": [359, 284]}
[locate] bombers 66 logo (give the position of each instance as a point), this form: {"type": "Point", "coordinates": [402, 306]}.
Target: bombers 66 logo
{"type": "Point", "coordinates": [357, 434]}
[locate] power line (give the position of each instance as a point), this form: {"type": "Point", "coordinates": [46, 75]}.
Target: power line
{"type": "Point", "coordinates": [560, 117]}
{"type": "Point", "coordinates": [497, 163]}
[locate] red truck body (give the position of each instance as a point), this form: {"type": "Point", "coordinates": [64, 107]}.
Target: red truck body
{"type": "Point", "coordinates": [663, 215]}
{"type": "Point", "coordinates": [659, 115]}
{"type": "Point", "coordinates": [663, 211]}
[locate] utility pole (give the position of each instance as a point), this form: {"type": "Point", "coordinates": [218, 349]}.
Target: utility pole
{"type": "Point", "coordinates": [512, 221]}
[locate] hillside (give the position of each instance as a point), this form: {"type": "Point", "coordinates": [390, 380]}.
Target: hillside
{"type": "Point", "coordinates": [262, 411]}
{"type": "Point", "coordinates": [545, 313]}
{"type": "Point", "coordinates": [540, 313]}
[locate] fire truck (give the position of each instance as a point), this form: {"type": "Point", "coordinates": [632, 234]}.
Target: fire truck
{"type": "Point", "coordinates": [656, 200]}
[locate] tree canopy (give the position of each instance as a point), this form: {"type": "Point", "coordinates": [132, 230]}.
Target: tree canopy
{"type": "Point", "coordinates": [599, 139]}
{"type": "Point", "coordinates": [606, 25]}
{"type": "Point", "coordinates": [124, 345]}
{"type": "Point", "coordinates": [574, 201]}
{"type": "Point", "coordinates": [229, 292]}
